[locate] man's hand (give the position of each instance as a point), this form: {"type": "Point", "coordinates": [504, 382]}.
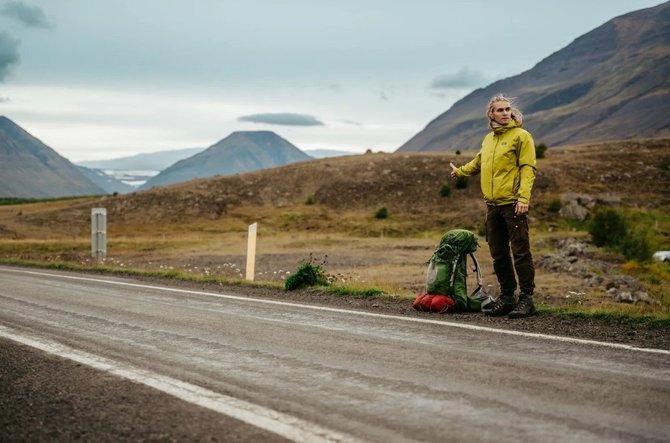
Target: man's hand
{"type": "Point", "coordinates": [453, 171]}
{"type": "Point", "coordinates": [521, 208]}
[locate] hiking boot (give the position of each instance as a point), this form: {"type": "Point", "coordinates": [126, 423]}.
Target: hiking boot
{"type": "Point", "coordinates": [502, 306]}
{"type": "Point", "coordinates": [524, 308]}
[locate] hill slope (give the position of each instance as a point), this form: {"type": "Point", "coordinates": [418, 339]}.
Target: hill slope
{"type": "Point", "coordinates": [29, 168]}
{"type": "Point", "coordinates": [408, 185]}
{"type": "Point", "coordinates": [611, 83]}
{"type": "Point", "coordinates": [242, 151]}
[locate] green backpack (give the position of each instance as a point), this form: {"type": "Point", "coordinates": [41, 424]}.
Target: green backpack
{"type": "Point", "coordinates": [447, 271]}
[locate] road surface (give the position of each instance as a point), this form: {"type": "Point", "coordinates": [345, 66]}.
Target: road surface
{"type": "Point", "coordinates": [305, 373]}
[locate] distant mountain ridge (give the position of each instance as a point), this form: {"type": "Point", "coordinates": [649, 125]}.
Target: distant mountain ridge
{"type": "Point", "coordinates": [31, 169]}
{"type": "Point", "coordinates": [150, 161]}
{"type": "Point", "coordinates": [242, 151]}
{"type": "Point", "coordinates": [327, 153]}
{"type": "Point", "coordinates": [108, 183]}
{"type": "Point", "coordinates": [611, 83]}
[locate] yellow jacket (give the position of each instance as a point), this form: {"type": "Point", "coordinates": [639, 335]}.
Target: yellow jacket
{"type": "Point", "coordinates": [507, 164]}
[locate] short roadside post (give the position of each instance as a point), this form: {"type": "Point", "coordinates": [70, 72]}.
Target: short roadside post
{"type": "Point", "coordinates": [251, 252]}
{"type": "Point", "coordinates": [99, 233]}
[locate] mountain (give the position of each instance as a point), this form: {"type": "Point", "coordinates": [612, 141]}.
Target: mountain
{"type": "Point", "coordinates": [29, 168]}
{"type": "Point", "coordinates": [326, 153]}
{"type": "Point", "coordinates": [242, 151]}
{"type": "Point", "coordinates": [152, 161]}
{"type": "Point", "coordinates": [105, 181]}
{"type": "Point", "coordinates": [611, 83]}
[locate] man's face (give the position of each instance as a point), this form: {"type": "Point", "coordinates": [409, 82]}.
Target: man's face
{"type": "Point", "coordinates": [502, 112]}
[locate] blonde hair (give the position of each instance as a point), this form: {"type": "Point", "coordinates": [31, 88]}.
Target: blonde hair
{"type": "Point", "coordinates": [517, 116]}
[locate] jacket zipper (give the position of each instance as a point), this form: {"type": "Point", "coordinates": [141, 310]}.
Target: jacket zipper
{"type": "Point", "coordinates": [493, 160]}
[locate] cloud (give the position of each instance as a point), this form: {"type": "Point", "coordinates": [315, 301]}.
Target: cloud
{"type": "Point", "coordinates": [334, 87]}
{"type": "Point", "coordinates": [5, 100]}
{"type": "Point", "coordinates": [31, 16]}
{"type": "Point", "coordinates": [464, 78]}
{"type": "Point", "coordinates": [282, 118]}
{"type": "Point", "coordinates": [9, 54]}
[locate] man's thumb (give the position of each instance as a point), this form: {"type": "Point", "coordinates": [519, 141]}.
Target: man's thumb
{"type": "Point", "coordinates": [453, 168]}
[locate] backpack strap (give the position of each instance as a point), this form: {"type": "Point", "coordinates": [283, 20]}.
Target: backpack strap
{"type": "Point", "coordinates": [479, 274]}
{"type": "Point", "coordinates": [453, 272]}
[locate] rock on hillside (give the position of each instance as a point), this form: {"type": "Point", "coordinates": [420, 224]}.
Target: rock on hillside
{"type": "Point", "coordinates": [242, 151]}
{"type": "Point", "coordinates": [31, 169]}
{"type": "Point", "coordinates": [611, 83]}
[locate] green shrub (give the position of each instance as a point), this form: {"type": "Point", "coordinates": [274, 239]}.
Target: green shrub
{"type": "Point", "coordinates": [461, 182]}
{"type": "Point", "coordinates": [382, 213]}
{"type": "Point", "coordinates": [445, 190]}
{"type": "Point", "coordinates": [638, 244]}
{"type": "Point", "coordinates": [308, 274]}
{"type": "Point", "coordinates": [607, 228]}
{"type": "Point", "coordinates": [541, 150]}
{"type": "Point", "coordinates": [458, 152]}
{"type": "Point", "coordinates": [310, 200]}
{"type": "Point", "coordinates": [555, 205]}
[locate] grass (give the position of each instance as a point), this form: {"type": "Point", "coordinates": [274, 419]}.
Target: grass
{"type": "Point", "coordinates": [130, 272]}
{"type": "Point", "coordinates": [4, 201]}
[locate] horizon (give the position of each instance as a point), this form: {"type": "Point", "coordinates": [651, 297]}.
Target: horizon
{"type": "Point", "coordinates": [346, 76]}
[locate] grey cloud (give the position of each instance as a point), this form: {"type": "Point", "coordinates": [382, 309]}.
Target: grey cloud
{"type": "Point", "coordinates": [282, 118]}
{"type": "Point", "coordinates": [351, 122]}
{"type": "Point", "coordinates": [9, 54]}
{"type": "Point", "coordinates": [31, 16]}
{"type": "Point", "coordinates": [335, 87]}
{"type": "Point", "coordinates": [464, 78]}
{"type": "Point", "coordinates": [5, 100]}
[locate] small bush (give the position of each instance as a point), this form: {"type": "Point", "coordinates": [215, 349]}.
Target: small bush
{"type": "Point", "coordinates": [310, 200]}
{"type": "Point", "coordinates": [607, 228]}
{"type": "Point", "coordinates": [555, 205]}
{"type": "Point", "coordinates": [461, 182]}
{"type": "Point", "coordinates": [638, 244]}
{"type": "Point", "coordinates": [445, 190]}
{"type": "Point", "coordinates": [541, 150]}
{"type": "Point", "coordinates": [458, 152]}
{"type": "Point", "coordinates": [308, 274]}
{"type": "Point", "coordinates": [382, 213]}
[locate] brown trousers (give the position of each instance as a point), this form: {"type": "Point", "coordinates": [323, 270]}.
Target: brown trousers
{"type": "Point", "coordinates": [503, 228]}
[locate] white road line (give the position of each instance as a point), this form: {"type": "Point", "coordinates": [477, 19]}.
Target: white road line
{"type": "Point", "coordinates": [361, 313]}
{"type": "Point", "coordinates": [270, 420]}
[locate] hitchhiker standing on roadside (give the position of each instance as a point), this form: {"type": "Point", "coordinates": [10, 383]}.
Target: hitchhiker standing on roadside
{"type": "Point", "coordinates": [507, 165]}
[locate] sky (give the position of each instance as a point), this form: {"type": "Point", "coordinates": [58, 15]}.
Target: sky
{"type": "Point", "coordinates": [101, 79]}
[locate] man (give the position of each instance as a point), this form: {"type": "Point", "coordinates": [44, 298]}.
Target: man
{"type": "Point", "coordinates": [507, 165]}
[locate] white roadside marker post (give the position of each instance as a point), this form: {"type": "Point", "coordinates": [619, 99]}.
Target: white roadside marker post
{"type": "Point", "coordinates": [251, 251]}
{"type": "Point", "coordinates": [99, 233]}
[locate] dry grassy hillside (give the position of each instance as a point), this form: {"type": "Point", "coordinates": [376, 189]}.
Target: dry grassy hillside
{"type": "Point", "coordinates": [409, 185]}
{"type": "Point", "coordinates": [200, 226]}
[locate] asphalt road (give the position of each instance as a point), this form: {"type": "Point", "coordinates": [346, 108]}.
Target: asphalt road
{"type": "Point", "coordinates": [303, 373]}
